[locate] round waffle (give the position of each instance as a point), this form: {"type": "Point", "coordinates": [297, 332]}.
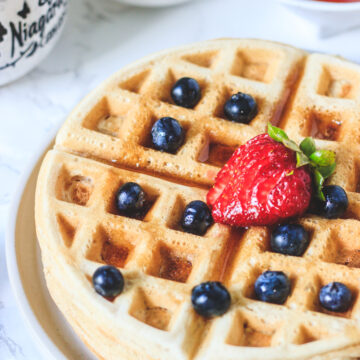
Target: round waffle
{"type": "Point", "coordinates": [105, 142]}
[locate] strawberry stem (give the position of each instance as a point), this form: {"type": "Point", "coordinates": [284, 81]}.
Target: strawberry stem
{"type": "Point", "coordinates": [321, 162]}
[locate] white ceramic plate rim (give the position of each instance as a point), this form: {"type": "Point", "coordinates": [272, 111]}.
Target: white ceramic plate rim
{"type": "Point", "coordinates": [323, 5]}
{"type": "Point", "coordinates": [44, 344]}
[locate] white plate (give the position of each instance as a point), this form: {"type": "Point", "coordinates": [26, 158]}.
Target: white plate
{"type": "Point", "coordinates": [151, 3]}
{"type": "Point", "coordinates": [50, 331]}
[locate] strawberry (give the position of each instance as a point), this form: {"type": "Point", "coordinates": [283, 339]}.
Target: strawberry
{"type": "Point", "coordinates": [261, 185]}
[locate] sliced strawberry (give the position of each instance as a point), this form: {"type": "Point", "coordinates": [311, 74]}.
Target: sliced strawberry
{"type": "Point", "coordinates": [260, 185]}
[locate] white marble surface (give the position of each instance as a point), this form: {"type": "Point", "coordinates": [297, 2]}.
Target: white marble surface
{"type": "Point", "coordinates": [100, 37]}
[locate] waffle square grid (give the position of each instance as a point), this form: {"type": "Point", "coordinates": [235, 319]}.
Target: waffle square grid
{"type": "Point", "coordinates": [315, 95]}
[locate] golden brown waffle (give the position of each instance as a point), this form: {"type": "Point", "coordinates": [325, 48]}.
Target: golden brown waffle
{"type": "Point", "coordinates": [105, 143]}
{"type": "Point", "coordinates": [113, 123]}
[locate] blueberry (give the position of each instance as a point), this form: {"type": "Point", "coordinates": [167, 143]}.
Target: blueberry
{"type": "Point", "coordinates": [335, 204]}
{"type": "Point", "coordinates": [196, 218]}
{"type": "Point", "coordinates": [335, 297]}
{"type": "Point", "coordinates": [130, 199]}
{"type": "Point", "coordinates": [241, 108]}
{"type": "Point", "coordinates": [273, 287]}
{"type": "Point", "coordinates": [186, 92]}
{"type": "Point", "coordinates": [289, 239]}
{"type": "Point", "coordinates": [210, 299]}
{"type": "Point", "coordinates": [167, 135]}
{"type": "Point", "coordinates": [108, 281]}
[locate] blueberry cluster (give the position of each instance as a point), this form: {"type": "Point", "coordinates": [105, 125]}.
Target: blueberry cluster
{"type": "Point", "coordinates": [274, 287]}
{"type": "Point", "coordinates": [211, 298]}
{"type": "Point", "coordinates": [168, 135]}
{"type": "Point", "coordinates": [130, 200]}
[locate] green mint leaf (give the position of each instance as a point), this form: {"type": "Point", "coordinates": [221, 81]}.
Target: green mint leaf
{"type": "Point", "coordinates": [279, 135]}
{"type": "Point", "coordinates": [319, 182]}
{"type": "Point", "coordinates": [326, 171]}
{"type": "Point", "coordinates": [276, 133]}
{"type": "Point", "coordinates": [291, 145]}
{"type": "Point", "coordinates": [307, 146]}
{"type": "Point", "coordinates": [323, 157]}
{"type": "Point", "coordinates": [301, 159]}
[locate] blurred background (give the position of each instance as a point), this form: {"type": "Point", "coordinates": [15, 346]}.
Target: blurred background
{"type": "Point", "coordinates": [102, 36]}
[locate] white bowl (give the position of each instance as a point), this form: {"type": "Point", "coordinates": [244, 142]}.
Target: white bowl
{"type": "Point", "coordinates": [151, 3]}
{"type": "Point", "coordinates": [330, 18]}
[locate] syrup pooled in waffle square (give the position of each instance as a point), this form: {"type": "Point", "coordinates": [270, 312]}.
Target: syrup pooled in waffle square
{"type": "Point", "coordinates": [106, 142]}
